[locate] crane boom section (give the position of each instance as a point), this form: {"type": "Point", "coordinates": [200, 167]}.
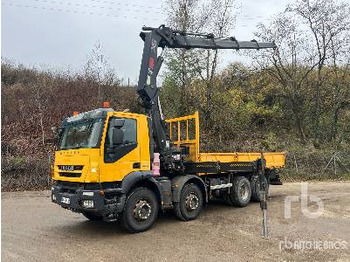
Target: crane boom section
{"type": "Point", "coordinates": [165, 37]}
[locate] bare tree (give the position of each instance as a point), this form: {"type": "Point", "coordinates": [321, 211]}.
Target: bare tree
{"type": "Point", "coordinates": [340, 85]}
{"type": "Point", "coordinates": [327, 22]}
{"type": "Point", "coordinates": [98, 69]}
{"type": "Point", "coordinates": [288, 62]}
{"type": "Point", "coordinates": [222, 23]}
{"type": "Point", "coordinates": [308, 34]}
{"type": "Point", "coordinates": [215, 16]}
{"type": "Point", "coordinates": [187, 16]}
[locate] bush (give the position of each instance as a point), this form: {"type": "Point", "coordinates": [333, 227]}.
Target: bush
{"type": "Point", "coordinates": [24, 173]}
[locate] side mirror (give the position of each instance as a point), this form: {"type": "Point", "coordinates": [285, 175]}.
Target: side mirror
{"type": "Point", "coordinates": [117, 137]}
{"type": "Point", "coordinates": [57, 131]}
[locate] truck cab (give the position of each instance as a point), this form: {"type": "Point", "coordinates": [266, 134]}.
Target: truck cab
{"type": "Point", "coordinates": [102, 146]}
{"type": "Point", "coordinates": [101, 156]}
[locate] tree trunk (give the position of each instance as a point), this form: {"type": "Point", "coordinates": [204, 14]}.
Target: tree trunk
{"type": "Point", "coordinates": [298, 121]}
{"type": "Point", "coordinates": [316, 126]}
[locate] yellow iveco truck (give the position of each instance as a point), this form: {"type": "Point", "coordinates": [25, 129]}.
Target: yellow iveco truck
{"type": "Point", "coordinates": [124, 166]}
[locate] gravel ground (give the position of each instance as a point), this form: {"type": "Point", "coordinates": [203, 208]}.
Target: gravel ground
{"type": "Point", "coordinates": [34, 229]}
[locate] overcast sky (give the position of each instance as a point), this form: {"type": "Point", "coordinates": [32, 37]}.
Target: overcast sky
{"type": "Point", "coordinates": [61, 34]}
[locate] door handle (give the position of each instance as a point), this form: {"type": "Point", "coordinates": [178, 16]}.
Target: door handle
{"type": "Point", "coordinates": [136, 165]}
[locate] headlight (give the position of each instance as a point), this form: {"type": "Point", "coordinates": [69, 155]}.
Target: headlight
{"type": "Point", "coordinates": [177, 157]}
{"type": "Point", "coordinates": [88, 193]}
{"type": "Point", "coordinates": [53, 197]}
{"type": "Point", "coordinates": [88, 203]}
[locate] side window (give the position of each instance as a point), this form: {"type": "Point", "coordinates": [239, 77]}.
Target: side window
{"type": "Point", "coordinates": [129, 128]}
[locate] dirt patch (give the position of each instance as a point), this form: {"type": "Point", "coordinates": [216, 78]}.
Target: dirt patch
{"type": "Point", "coordinates": [35, 229]}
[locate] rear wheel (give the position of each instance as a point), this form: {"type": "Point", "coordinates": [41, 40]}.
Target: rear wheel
{"type": "Point", "coordinates": [241, 192]}
{"type": "Point", "coordinates": [92, 216]}
{"type": "Point", "coordinates": [191, 203]}
{"type": "Point", "coordinates": [140, 211]}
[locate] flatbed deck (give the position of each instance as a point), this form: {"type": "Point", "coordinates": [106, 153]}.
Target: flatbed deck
{"type": "Point", "coordinates": [184, 132]}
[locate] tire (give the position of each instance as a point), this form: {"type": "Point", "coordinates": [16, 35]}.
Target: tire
{"type": "Point", "coordinates": [191, 203]}
{"type": "Point", "coordinates": [255, 184]}
{"type": "Point", "coordinates": [92, 216]}
{"type": "Point", "coordinates": [140, 210]}
{"type": "Point", "coordinates": [241, 192]}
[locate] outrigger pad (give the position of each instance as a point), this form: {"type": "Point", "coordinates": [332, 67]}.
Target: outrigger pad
{"type": "Point", "coordinates": [276, 181]}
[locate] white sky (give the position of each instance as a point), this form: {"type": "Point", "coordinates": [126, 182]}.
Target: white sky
{"type": "Point", "coordinates": [61, 34]}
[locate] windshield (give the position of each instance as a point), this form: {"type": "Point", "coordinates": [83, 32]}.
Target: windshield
{"type": "Point", "coordinates": [81, 135]}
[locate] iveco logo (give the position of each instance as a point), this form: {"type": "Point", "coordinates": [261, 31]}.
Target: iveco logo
{"type": "Point", "coordinates": [67, 168]}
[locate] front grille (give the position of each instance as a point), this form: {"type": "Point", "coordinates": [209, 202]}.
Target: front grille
{"type": "Point", "coordinates": [67, 174]}
{"type": "Point", "coordinates": [70, 167]}
{"type": "Point", "coordinates": [68, 187]}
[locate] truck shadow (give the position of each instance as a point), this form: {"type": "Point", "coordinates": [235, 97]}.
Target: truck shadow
{"type": "Point", "coordinates": [99, 229]}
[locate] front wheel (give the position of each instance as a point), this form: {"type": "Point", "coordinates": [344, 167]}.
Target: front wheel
{"type": "Point", "coordinates": [191, 203]}
{"type": "Point", "coordinates": [140, 211]}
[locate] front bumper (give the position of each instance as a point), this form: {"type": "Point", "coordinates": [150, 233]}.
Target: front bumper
{"type": "Point", "coordinates": [73, 199]}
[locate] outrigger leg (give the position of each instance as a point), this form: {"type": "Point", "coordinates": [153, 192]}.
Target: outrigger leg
{"type": "Point", "coordinates": [263, 198]}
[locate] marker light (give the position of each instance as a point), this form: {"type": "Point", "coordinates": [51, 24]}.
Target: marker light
{"type": "Point", "coordinates": [75, 113]}
{"type": "Point", "coordinates": [106, 104]}
{"type": "Point", "coordinates": [88, 193]}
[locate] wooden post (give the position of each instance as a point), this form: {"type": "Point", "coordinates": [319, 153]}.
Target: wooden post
{"type": "Point", "coordinates": [335, 163]}
{"type": "Point", "coordinates": [296, 164]}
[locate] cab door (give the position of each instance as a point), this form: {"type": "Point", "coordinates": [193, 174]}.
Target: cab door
{"type": "Point", "coordinates": [124, 157]}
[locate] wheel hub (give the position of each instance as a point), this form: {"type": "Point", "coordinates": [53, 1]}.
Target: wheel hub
{"type": "Point", "coordinates": [192, 201]}
{"type": "Point", "coordinates": [244, 192]}
{"type": "Point", "coordinates": [142, 210]}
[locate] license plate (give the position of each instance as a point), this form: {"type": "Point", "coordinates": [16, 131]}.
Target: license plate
{"type": "Point", "coordinates": [65, 200]}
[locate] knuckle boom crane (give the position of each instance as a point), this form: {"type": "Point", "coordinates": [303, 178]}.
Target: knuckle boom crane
{"type": "Point", "coordinates": [164, 37]}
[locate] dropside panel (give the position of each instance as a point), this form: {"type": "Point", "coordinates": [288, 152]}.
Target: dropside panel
{"type": "Point", "coordinates": [273, 159]}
